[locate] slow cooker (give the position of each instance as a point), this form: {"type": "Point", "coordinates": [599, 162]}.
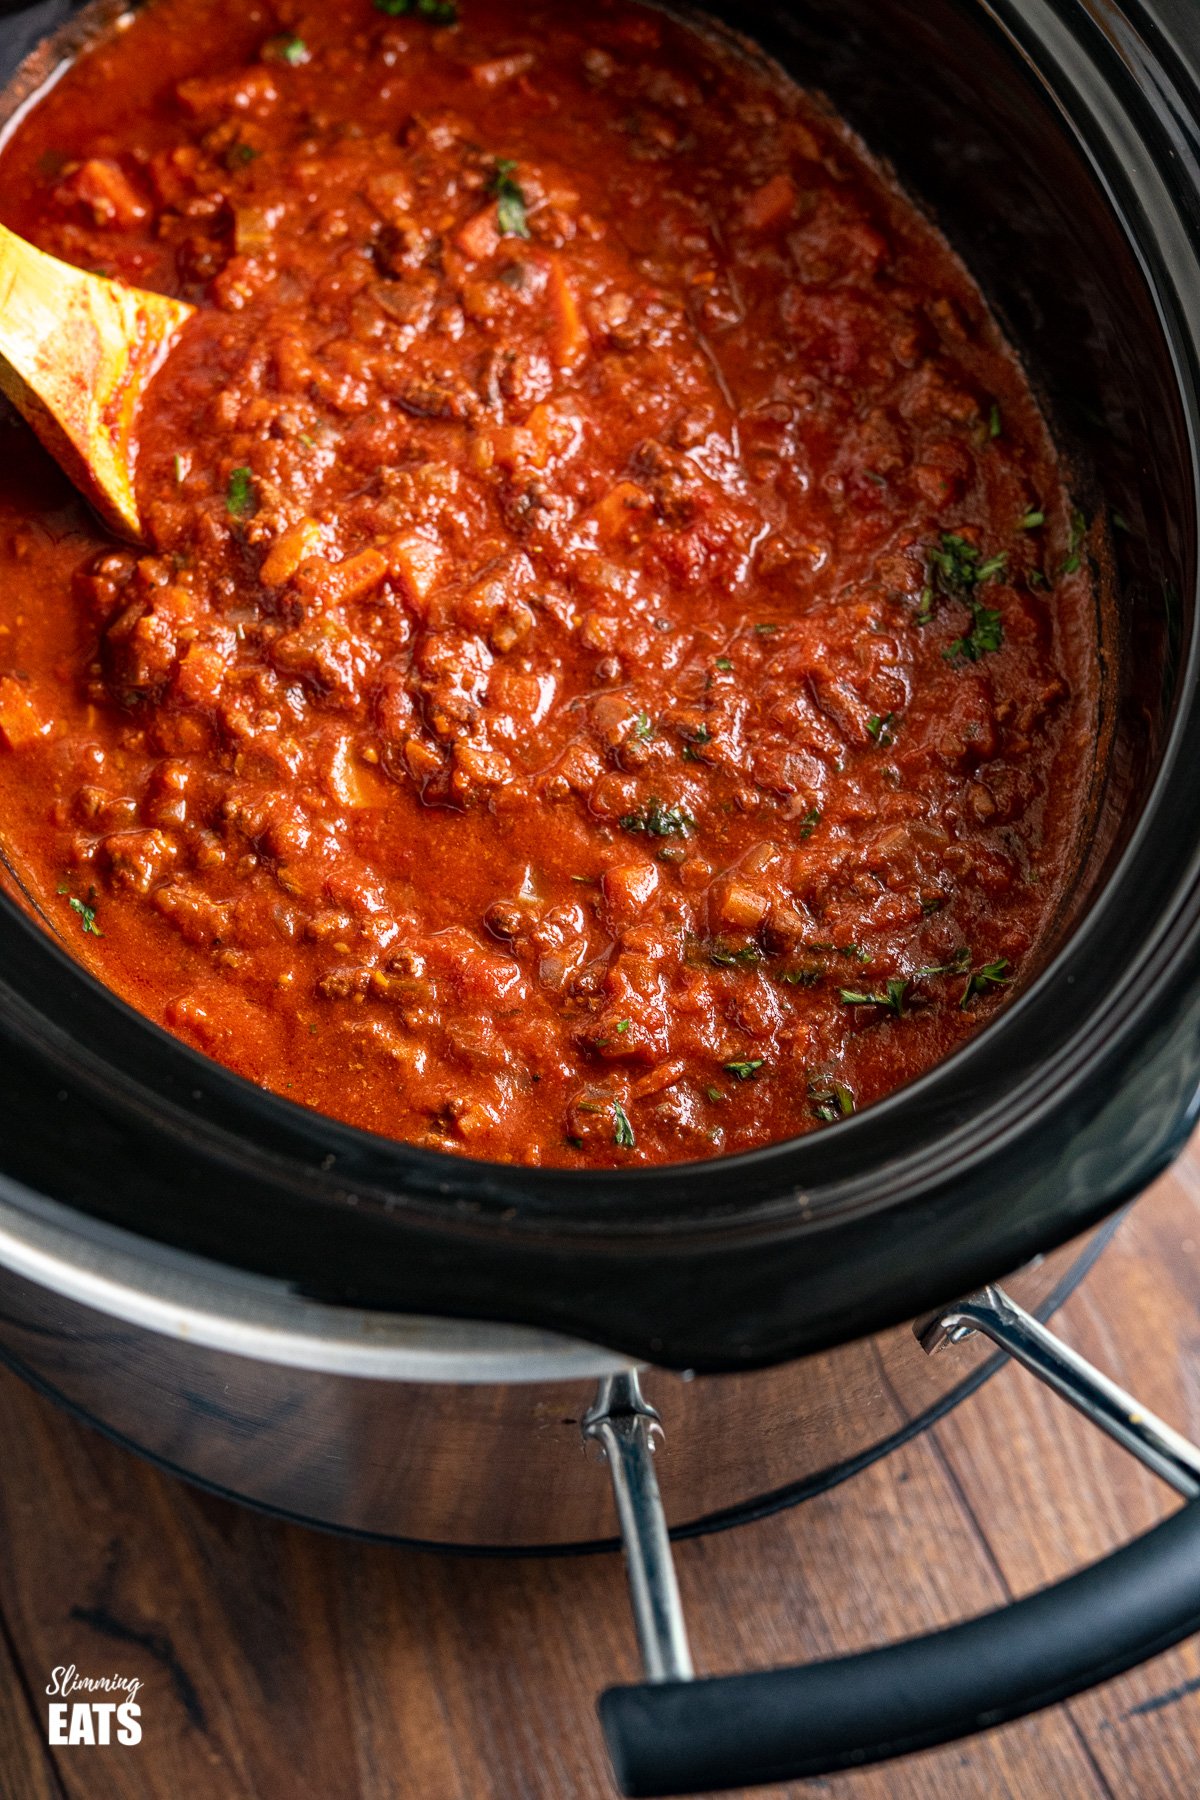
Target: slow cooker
{"type": "Point", "coordinates": [428, 1349]}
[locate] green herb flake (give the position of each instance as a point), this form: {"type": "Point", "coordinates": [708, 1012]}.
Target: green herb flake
{"type": "Point", "coordinates": [892, 996]}
{"type": "Point", "coordinates": [955, 966]}
{"type": "Point", "coordinates": [659, 821]}
{"type": "Point", "coordinates": [1073, 560]}
{"type": "Point", "coordinates": [1032, 520]}
{"type": "Point", "coordinates": [986, 635]}
{"type": "Point", "coordinates": [643, 726]}
{"type": "Point", "coordinates": [995, 422]}
{"type": "Point", "coordinates": [623, 1136]}
{"type": "Point", "coordinates": [291, 50]}
{"type": "Point", "coordinates": [991, 975]}
{"type": "Point", "coordinates": [511, 212]}
{"type": "Point", "coordinates": [957, 569]}
{"type": "Point", "coordinates": [86, 912]}
{"type": "Point", "coordinates": [832, 1100]}
{"type": "Point", "coordinates": [241, 502]}
{"type": "Point", "coordinates": [747, 956]}
{"type": "Point", "coordinates": [801, 977]}
{"type": "Point", "coordinates": [622, 1027]}
{"type": "Point", "coordinates": [724, 664]}
{"type": "Point", "coordinates": [715, 1094]}
{"type": "Point", "coordinates": [438, 12]}
{"type": "Point", "coordinates": [924, 610]}
{"type": "Point", "coordinates": [766, 629]}
{"type": "Point", "coordinates": [881, 729]}
{"type": "Point", "coordinates": [744, 1071]}
{"type": "Point", "coordinates": [809, 823]}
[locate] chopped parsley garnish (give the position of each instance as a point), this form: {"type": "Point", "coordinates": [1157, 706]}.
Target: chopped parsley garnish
{"type": "Point", "coordinates": [802, 977]}
{"type": "Point", "coordinates": [643, 726]}
{"type": "Point", "coordinates": [659, 821]}
{"type": "Point", "coordinates": [958, 572]}
{"type": "Point", "coordinates": [957, 963]}
{"type": "Point", "coordinates": [925, 605]}
{"type": "Point", "coordinates": [748, 956]}
{"type": "Point", "coordinates": [995, 422]}
{"type": "Point", "coordinates": [240, 498]}
{"type": "Point", "coordinates": [832, 1100]}
{"type": "Point", "coordinates": [986, 634]}
{"type": "Point", "coordinates": [809, 822]}
{"type": "Point", "coordinates": [991, 975]}
{"type": "Point", "coordinates": [623, 1136]}
{"type": "Point", "coordinates": [714, 1094]}
{"type": "Point", "coordinates": [724, 663]}
{"type": "Point", "coordinates": [291, 50]}
{"type": "Point", "coordinates": [622, 1027]}
{"type": "Point", "coordinates": [957, 569]}
{"type": "Point", "coordinates": [510, 200]}
{"type": "Point", "coordinates": [892, 996]}
{"type": "Point", "coordinates": [693, 739]}
{"type": "Point", "coordinates": [744, 1071]}
{"type": "Point", "coordinates": [765, 629]}
{"type": "Point", "coordinates": [1032, 520]}
{"type": "Point", "coordinates": [86, 912]}
{"type": "Point", "coordinates": [881, 729]}
{"type": "Point", "coordinates": [438, 12]}
{"type": "Point", "coordinates": [1071, 562]}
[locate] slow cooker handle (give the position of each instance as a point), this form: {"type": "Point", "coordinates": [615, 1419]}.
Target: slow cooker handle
{"type": "Point", "coordinates": [674, 1735]}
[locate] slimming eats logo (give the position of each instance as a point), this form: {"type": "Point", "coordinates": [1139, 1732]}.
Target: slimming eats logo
{"type": "Point", "coordinates": [105, 1721]}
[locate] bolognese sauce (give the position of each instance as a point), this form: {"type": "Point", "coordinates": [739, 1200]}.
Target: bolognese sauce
{"type": "Point", "coordinates": [612, 673]}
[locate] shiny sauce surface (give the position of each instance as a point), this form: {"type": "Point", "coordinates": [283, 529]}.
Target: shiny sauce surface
{"type": "Point", "coordinates": [612, 678]}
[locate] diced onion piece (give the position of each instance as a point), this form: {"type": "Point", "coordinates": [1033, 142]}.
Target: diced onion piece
{"type": "Point", "coordinates": [415, 563]}
{"type": "Point", "coordinates": [21, 724]}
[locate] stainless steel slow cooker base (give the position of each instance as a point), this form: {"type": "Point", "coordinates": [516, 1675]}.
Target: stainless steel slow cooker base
{"type": "Point", "coordinates": [444, 1432]}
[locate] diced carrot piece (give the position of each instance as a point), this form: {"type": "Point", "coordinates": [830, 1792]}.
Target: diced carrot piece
{"type": "Point", "coordinates": [415, 562]}
{"type": "Point", "coordinates": [480, 236]}
{"type": "Point", "coordinates": [253, 92]}
{"type": "Point", "coordinates": [103, 187]}
{"type": "Point", "coordinates": [390, 193]}
{"type": "Point", "coordinates": [552, 429]}
{"type": "Point", "coordinates": [501, 69]}
{"type": "Point", "coordinates": [770, 204]}
{"type": "Point", "coordinates": [288, 551]}
{"type": "Point", "coordinates": [570, 335]}
{"type": "Point", "coordinates": [21, 724]}
{"type": "Point", "coordinates": [334, 584]}
{"type": "Point", "coordinates": [622, 509]}
{"type": "Point", "coordinates": [202, 669]}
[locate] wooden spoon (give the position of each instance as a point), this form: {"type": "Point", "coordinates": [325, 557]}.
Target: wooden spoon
{"type": "Point", "coordinates": [77, 353]}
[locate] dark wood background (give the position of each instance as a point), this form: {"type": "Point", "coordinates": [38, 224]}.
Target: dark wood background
{"type": "Point", "coordinates": [279, 1664]}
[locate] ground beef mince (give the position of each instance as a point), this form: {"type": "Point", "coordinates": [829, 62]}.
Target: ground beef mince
{"type": "Point", "coordinates": [611, 678]}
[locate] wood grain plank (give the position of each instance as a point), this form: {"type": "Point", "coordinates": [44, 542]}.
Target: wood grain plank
{"type": "Point", "coordinates": [1052, 1493]}
{"type": "Point", "coordinates": [26, 1771]}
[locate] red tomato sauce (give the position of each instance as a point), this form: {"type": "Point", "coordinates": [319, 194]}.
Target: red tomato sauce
{"type": "Point", "coordinates": [612, 677]}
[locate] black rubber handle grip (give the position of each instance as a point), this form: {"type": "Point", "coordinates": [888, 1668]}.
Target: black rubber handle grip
{"type": "Point", "coordinates": [687, 1737]}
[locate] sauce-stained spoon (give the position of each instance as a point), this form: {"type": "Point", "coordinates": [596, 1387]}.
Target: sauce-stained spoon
{"type": "Point", "coordinates": [77, 352]}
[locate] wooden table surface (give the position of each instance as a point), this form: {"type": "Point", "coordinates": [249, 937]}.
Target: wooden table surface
{"type": "Point", "coordinates": [280, 1664]}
